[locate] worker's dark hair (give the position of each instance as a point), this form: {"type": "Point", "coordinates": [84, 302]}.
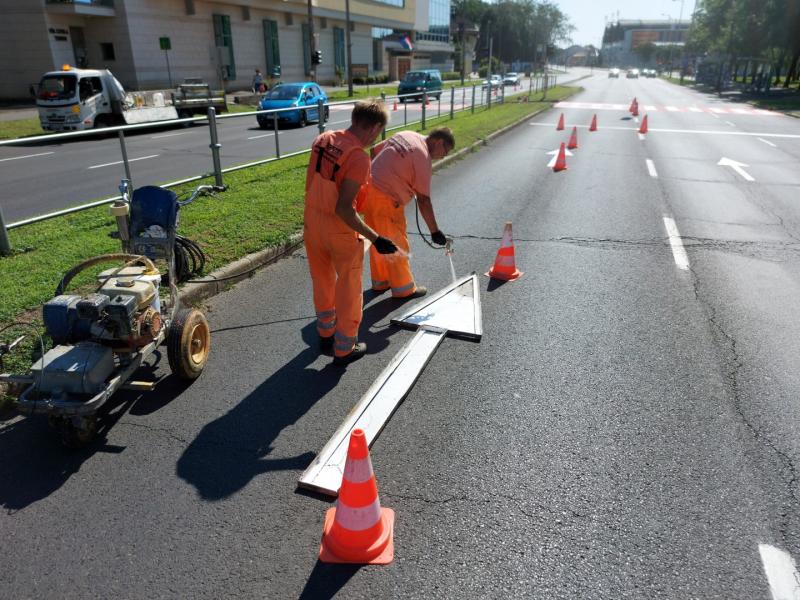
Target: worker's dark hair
{"type": "Point", "coordinates": [444, 134]}
{"type": "Point", "coordinates": [369, 112]}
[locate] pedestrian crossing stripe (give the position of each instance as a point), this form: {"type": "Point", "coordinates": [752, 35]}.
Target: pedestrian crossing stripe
{"type": "Point", "coordinates": [720, 110]}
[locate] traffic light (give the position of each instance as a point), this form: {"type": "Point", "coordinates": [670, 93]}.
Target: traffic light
{"type": "Point", "coordinates": [316, 58]}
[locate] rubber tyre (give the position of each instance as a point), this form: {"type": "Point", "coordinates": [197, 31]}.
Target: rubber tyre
{"type": "Point", "coordinates": [303, 119]}
{"type": "Point", "coordinates": [188, 343]}
{"type": "Point", "coordinates": [73, 437]}
{"type": "Point", "coordinates": [327, 115]}
{"type": "Point", "coordinates": [264, 125]}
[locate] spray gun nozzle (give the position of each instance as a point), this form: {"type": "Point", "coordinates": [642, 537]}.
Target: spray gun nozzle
{"type": "Point", "coordinates": [448, 247]}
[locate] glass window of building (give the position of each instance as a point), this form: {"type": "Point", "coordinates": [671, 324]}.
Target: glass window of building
{"type": "Point", "coordinates": [439, 19]}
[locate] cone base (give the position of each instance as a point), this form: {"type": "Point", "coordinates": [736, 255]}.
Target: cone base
{"type": "Point", "coordinates": [384, 557]}
{"type": "Point", "coordinates": [557, 169]}
{"type": "Point", "coordinates": [503, 277]}
{"type": "Point", "coordinates": [572, 147]}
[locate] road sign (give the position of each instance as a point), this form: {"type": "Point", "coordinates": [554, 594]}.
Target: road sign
{"type": "Point", "coordinates": [165, 43]}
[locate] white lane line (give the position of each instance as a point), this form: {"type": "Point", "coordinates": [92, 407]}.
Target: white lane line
{"type": "Point", "coordinates": [119, 162]}
{"type": "Point", "coordinates": [339, 122]}
{"type": "Point", "coordinates": [678, 251]}
{"type": "Point", "coordinates": [731, 124]}
{"type": "Point", "coordinates": [672, 108]}
{"type": "Point", "coordinates": [256, 137]}
{"type": "Point", "coordinates": [641, 136]}
{"type": "Point", "coordinates": [715, 115]}
{"type": "Point", "coordinates": [694, 109]}
{"type": "Point", "coordinates": [166, 135]}
{"type": "Point", "coordinates": [698, 131]}
{"type": "Point", "coordinates": [768, 143]}
{"type": "Point", "coordinates": [781, 572]}
{"type": "Point", "coordinates": [26, 156]}
{"type": "Point", "coordinates": [651, 167]}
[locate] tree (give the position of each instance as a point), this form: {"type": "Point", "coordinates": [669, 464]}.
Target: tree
{"type": "Point", "coordinates": [645, 52]}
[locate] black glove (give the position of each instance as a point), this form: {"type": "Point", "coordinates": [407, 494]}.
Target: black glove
{"type": "Point", "coordinates": [438, 238]}
{"type": "Point", "coordinates": [384, 246]}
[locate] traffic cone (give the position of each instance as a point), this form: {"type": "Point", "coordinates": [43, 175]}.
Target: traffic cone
{"type": "Point", "coordinates": [427, 100]}
{"type": "Point", "coordinates": [593, 126]}
{"type": "Point", "coordinates": [504, 267]}
{"type": "Point", "coordinates": [561, 160]}
{"type": "Point", "coordinates": [394, 108]}
{"type": "Point", "coordinates": [357, 530]}
{"type": "Point", "coordinates": [573, 139]}
{"type": "Point", "coordinates": [636, 110]}
{"type": "Point", "coordinates": [560, 125]}
{"type": "Point", "coordinates": [643, 126]}
{"type": "Point", "coordinates": [634, 103]}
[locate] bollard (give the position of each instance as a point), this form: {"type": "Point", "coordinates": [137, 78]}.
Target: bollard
{"type": "Point", "coordinates": [275, 127]}
{"type": "Point", "coordinates": [472, 108]}
{"type": "Point", "coordinates": [124, 156]}
{"type": "Point", "coordinates": [424, 105]}
{"type": "Point", "coordinates": [452, 102]}
{"type": "Point", "coordinates": [5, 243]}
{"type": "Point", "coordinates": [215, 146]}
{"type": "Point", "coordinates": [321, 115]}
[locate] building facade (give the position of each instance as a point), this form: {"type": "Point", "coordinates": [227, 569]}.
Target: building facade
{"type": "Point", "coordinates": [152, 44]}
{"type": "Point", "coordinates": [622, 38]}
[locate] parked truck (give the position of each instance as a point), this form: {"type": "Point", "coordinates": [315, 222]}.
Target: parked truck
{"type": "Point", "coordinates": [77, 99]}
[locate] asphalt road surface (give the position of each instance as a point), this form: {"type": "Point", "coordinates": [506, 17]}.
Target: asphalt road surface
{"type": "Point", "coordinates": [40, 176]}
{"type": "Point", "coordinates": [627, 428]}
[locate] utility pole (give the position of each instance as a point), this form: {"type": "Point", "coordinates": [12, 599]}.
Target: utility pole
{"type": "Point", "coordinates": [349, 48]}
{"type": "Point", "coordinates": [312, 46]}
{"type": "Point", "coordinates": [463, 42]}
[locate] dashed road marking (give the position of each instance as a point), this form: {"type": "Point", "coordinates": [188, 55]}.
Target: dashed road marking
{"type": "Point", "coordinates": [119, 162]}
{"type": "Point", "coordinates": [166, 135]}
{"type": "Point", "coordinates": [26, 156]}
{"type": "Point", "coordinates": [731, 124]}
{"type": "Point", "coordinates": [697, 131]}
{"type": "Point", "coordinates": [768, 143]}
{"type": "Point", "coordinates": [781, 572]}
{"type": "Point", "coordinates": [651, 168]}
{"type": "Point", "coordinates": [263, 135]}
{"type": "Point", "coordinates": [678, 251]}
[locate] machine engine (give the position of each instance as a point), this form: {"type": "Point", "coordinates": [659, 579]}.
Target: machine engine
{"type": "Point", "coordinates": [123, 314]}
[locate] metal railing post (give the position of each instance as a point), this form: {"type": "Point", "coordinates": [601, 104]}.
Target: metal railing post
{"type": "Point", "coordinates": [275, 127]}
{"type": "Point", "coordinates": [405, 111]}
{"type": "Point", "coordinates": [215, 145]}
{"type": "Point", "coordinates": [463, 98]}
{"type": "Point", "coordinates": [321, 115]}
{"type": "Point", "coordinates": [489, 87]}
{"type": "Point", "coordinates": [383, 101]}
{"type": "Point", "coordinates": [424, 106]}
{"type": "Point", "coordinates": [452, 102]}
{"type": "Point", "coordinates": [125, 162]}
{"type": "Point", "coordinates": [530, 86]}
{"type": "Point", "coordinates": [472, 108]}
{"type": "Point", "coordinates": [439, 105]}
{"type": "Point", "coordinates": [503, 94]}
{"type": "Point", "coordinates": [5, 243]}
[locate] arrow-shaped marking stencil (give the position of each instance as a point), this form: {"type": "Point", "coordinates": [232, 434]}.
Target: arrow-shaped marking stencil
{"type": "Point", "coordinates": [736, 166]}
{"type": "Point", "coordinates": [552, 162]}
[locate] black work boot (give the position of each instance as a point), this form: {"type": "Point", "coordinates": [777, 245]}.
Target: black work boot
{"type": "Point", "coordinates": [326, 345]}
{"type": "Point", "coordinates": [359, 350]}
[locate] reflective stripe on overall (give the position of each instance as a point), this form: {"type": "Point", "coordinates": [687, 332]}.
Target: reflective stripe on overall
{"type": "Point", "coordinates": [388, 219]}
{"type": "Point", "coordinates": [335, 260]}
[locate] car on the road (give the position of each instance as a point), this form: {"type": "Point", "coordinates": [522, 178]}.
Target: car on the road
{"type": "Point", "coordinates": [303, 96]}
{"type": "Point", "coordinates": [649, 73]}
{"type": "Point", "coordinates": [632, 74]}
{"type": "Point", "coordinates": [613, 72]}
{"type": "Point", "coordinates": [511, 78]}
{"type": "Point", "coordinates": [493, 81]}
{"type": "Point", "coordinates": [418, 82]}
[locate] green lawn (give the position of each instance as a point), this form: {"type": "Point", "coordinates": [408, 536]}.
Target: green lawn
{"type": "Point", "coordinates": [20, 128]}
{"type": "Point", "coordinates": [263, 206]}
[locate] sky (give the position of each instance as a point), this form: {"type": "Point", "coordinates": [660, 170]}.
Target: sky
{"type": "Point", "coordinates": [589, 16]}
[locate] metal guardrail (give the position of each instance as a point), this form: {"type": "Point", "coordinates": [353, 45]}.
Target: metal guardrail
{"type": "Point", "coordinates": [480, 96]}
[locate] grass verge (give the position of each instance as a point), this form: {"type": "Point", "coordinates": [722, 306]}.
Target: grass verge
{"type": "Point", "coordinates": [262, 207]}
{"type": "Point", "coordinates": [20, 128]}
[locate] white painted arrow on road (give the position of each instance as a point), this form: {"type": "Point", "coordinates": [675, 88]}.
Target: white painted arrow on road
{"type": "Point", "coordinates": [552, 162]}
{"type": "Point", "coordinates": [736, 166]}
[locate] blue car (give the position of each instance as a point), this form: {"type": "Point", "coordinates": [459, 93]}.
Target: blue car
{"type": "Point", "coordinates": [305, 96]}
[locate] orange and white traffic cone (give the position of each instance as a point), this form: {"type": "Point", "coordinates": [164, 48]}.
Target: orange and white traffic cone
{"type": "Point", "coordinates": [561, 160]}
{"type": "Point", "coordinates": [394, 108]}
{"type": "Point", "coordinates": [358, 530]}
{"type": "Point", "coordinates": [504, 267]}
{"type": "Point", "coordinates": [636, 110]}
{"type": "Point", "coordinates": [593, 126]}
{"type": "Point", "coordinates": [643, 126]}
{"type": "Point", "coordinates": [573, 139]}
{"type": "Point", "coordinates": [634, 103]}
{"type": "Point", "coordinates": [560, 126]}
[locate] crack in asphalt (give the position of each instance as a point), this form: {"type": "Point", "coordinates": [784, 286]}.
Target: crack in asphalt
{"type": "Point", "coordinates": [735, 364]}
{"type": "Point", "coordinates": [168, 433]}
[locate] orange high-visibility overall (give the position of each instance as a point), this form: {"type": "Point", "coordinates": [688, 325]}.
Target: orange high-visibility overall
{"type": "Point", "coordinates": [388, 217]}
{"type": "Point", "coordinates": [335, 252]}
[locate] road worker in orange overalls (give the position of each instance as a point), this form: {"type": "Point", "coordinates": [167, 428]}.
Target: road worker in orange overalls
{"type": "Point", "coordinates": [339, 166]}
{"type": "Point", "coordinates": [402, 170]}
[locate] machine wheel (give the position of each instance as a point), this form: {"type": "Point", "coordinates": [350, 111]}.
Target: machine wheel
{"type": "Point", "coordinates": [74, 436]}
{"type": "Point", "coordinates": [188, 343]}
{"type": "Point", "coordinates": [303, 118]}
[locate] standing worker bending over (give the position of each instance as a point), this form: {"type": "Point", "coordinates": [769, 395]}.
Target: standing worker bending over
{"type": "Point", "coordinates": [402, 170]}
{"type": "Point", "coordinates": [338, 167]}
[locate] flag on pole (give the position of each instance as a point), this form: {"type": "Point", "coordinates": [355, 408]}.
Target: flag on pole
{"type": "Point", "coordinates": [405, 42]}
